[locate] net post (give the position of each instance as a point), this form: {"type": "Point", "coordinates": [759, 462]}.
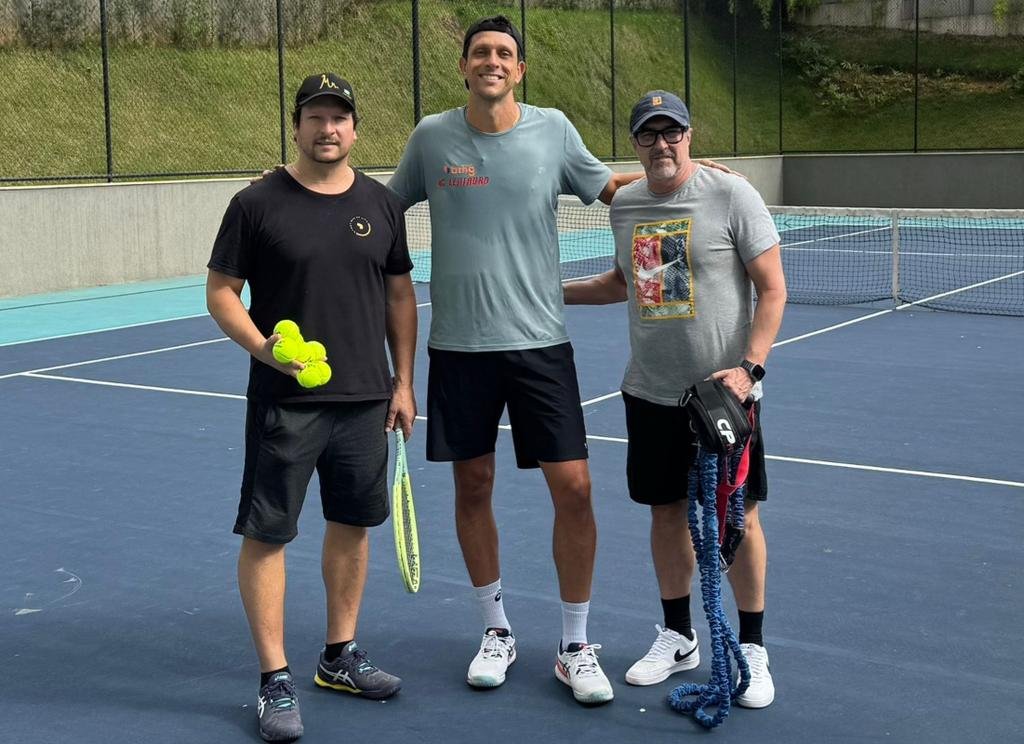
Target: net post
{"type": "Point", "coordinates": [895, 230]}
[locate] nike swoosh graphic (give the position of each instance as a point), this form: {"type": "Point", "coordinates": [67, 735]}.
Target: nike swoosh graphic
{"type": "Point", "coordinates": [648, 274]}
{"type": "Point", "coordinates": [679, 657]}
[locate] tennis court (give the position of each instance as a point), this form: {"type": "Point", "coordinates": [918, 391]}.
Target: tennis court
{"type": "Point", "coordinates": [894, 523]}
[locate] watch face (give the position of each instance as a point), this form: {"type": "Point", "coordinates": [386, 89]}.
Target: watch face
{"type": "Point", "coordinates": [756, 371]}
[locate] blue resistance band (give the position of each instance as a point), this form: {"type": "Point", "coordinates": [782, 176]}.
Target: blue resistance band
{"type": "Point", "coordinates": [705, 475]}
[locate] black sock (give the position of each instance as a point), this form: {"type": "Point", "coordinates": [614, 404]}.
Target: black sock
{"type": "Point", "coordinates": [677, 615]}
{"type": "Point", "coordinates": [750, 627]}
{"type": "Point", "coordinates": [265, 676]}
{"type": "Point", "coordinates": [333, 650]}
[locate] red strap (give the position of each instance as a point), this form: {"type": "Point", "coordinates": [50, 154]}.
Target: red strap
{"type": "Point", "coordinates": [726, 489]}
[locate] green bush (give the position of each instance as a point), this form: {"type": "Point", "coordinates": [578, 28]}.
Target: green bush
{"type": "Point", "coordinates": [1017, 81]}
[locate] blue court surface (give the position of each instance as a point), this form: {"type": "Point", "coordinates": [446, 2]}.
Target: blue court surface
{"type": "Point", "coordinates": [894, 522]}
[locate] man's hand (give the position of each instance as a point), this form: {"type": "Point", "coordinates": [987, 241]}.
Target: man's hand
{"type": "Point", "coordinates": [402, 410]}
{"type": "Point", "coordinates": [718, 166]}
{"type": "Point", "coordinates": [266, 355]}
{"type": "Point", "coordinates": [266, 173]}
{"type": "Point", "coordinates": [736, 380]}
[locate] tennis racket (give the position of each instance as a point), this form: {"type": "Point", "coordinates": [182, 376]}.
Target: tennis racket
{"type": "Point", "coordinates": [403, 517]}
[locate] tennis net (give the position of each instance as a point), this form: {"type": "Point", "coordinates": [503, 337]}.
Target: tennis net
{"type": "Point", "coordinates": [962, 260]}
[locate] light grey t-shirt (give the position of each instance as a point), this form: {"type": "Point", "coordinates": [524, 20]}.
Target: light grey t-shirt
{"type": "Point", "coordinates": [683, 256]}
{"type": "Point", "coordinates": [494, 243]}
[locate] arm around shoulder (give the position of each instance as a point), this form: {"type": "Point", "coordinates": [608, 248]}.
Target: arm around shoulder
{"type": "Point", "coordinates": [604, 289]}
{"type": "Point", "coordinates": [615, 182]}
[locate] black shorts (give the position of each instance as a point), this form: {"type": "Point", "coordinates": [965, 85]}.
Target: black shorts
{"type": "Point", "coordinates": [468, 390]}
{"type": "Point", "coordinates": [662, 449]}
{"type": "Point", "coordinates": [345, 443]}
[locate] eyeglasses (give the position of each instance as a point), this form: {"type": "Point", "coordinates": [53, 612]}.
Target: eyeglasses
{"type": "Point", "coordinates": [672, 136]}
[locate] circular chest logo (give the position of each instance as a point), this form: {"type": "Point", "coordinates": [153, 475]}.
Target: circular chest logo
{"type": "Point", "coordinates": [360, 226]}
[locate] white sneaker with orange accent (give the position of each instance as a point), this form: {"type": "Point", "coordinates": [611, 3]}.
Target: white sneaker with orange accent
{"type": "Point", "coordinates": [577, 667]}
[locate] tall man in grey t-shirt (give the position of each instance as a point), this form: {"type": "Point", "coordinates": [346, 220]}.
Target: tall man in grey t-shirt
{"type": "Point", "coordinates": [690, 242]}
{"type": "Point", "coordinates": [492, 172]}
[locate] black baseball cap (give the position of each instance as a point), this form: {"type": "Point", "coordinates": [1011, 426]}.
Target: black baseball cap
{"type": "Point", "coordinates": [497, 23]}
{"type": "Point", "coordinates": [325, 84]}
{"type": "Point", "coordinates": [658, 103]}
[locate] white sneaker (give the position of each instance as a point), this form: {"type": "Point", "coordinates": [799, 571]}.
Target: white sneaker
{"type": "Point", "coordinates": [496, 654]}
{"type": "Point", "coordinates": [577, 667]}
{"type": "Point", "coordinates": [761, 691]}
{"type": "Point", "coordinates": [672, 652]}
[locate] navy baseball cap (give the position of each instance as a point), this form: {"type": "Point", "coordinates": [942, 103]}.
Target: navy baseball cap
{"type": "Point", "coordinates": [658, 103]}
{"type": "Point", "coordinates": [497, 23]}
{"type": "Point", "coordinates": [325, 84]}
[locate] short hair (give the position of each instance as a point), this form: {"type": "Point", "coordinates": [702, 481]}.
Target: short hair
{"type": "Point", "coordinates": [497, 23]}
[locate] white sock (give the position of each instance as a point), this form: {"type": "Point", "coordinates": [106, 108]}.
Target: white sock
{"type": "Point", "coordinates": [491, 606]}
{"type": "Point", "coordinates": [574, 622]}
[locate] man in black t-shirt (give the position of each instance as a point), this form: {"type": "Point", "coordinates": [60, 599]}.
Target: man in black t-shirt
{"type": "Point", "coordinates": [323, 245]}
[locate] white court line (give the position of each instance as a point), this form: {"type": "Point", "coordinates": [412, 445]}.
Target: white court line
{"type": "Point", "coordinates": [903, 254]}
{"type": "Point", "coordinates": [102, 330]}
{"type": "Point", "coordinates": [595, 437]}
{"type": "Point", "coordinates": [854, 321]}
{"type": "Point", "coordinates": [895, 309]}
{"type": "Point", "coordinates": [154, 388]}
{"type": "Point", "coordinates": [116, 328]}
{"type": "Point", "coordinates": [119, 356]}
{"type": "Point", "coordinates": [896, 471]}
{"type": "Point", "coordinates": [114, 358]}
{"type": "Point", "coordinates": [601, 398]}
{"type": "Point", "coordinates": [835, 237]}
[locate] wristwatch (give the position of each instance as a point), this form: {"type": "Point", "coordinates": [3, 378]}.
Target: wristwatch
{"type": "Point", "coordinates": [756, 371]}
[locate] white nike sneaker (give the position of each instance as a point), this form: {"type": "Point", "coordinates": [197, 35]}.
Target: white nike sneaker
{"type": "Point", "coordinates": [672, 652]}
{"type": "Point", "coordinates": [761, 691]}
{"type": "Point", "coordinates": [577, 667]}
{"type": "Point", "coordinates": [496, 654]}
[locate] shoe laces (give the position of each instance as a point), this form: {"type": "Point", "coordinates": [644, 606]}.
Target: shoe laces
{"type": "Point", "coordinates": [662, 644]}
{"type": "Point", "coordinates": [757, 660]}
{"type": "Point", "coordinates": [494, 646]}
{"type": "Point", "coordinates": [362, 663]}
{"type": "Point", "coordinates": [281, 694]}
{"type": "Point", "coordinates": [584, 661]}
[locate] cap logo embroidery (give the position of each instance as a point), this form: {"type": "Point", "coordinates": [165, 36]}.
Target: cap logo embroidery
{"type": "Point", "coordinates": [325, 82]}
{"type": "Point", "coordinates": [656, 101]}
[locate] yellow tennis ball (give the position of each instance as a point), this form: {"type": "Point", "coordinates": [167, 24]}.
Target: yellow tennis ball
{"type": "Point", "coordinates": [316, 351]}
{"type": "Point", "coordinates": [309, 376]}
{"type": "Point", "coordinates": [325, 372]}
{"type": "Point", "coordinates": [286, 349]}
{"type": "Point", "coordinates": [288, 329]}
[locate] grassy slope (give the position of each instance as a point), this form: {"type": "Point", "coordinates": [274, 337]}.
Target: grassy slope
{"type": "Point", "coordinates": [216, 109]}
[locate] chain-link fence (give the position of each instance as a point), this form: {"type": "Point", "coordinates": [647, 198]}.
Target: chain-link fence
{"type": "Point", "coordinates": [120, 89]}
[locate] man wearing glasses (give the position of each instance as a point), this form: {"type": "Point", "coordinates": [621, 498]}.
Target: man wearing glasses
{"type": "Point", "coordinates": [692, 242]}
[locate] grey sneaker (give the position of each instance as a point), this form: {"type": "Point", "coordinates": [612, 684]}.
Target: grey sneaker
{"type": "Point", "coordinates": [278, 709]}
{"type": "Point", "coordinates": [353, 672]}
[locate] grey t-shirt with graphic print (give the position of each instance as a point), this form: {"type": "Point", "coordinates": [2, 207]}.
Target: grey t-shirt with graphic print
{"type": "Point", "coordinates": [683, 256]}
{"type": "Point", "coordinates": [494, 281]}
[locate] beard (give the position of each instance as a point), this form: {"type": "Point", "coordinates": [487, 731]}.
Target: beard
{"type": "Point", "coordinates": [664, 169]}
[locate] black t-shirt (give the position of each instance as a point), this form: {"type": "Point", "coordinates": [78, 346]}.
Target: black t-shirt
{"type": "Point", "coordinates": [321, 261]}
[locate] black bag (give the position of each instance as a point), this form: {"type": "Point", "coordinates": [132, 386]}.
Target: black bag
{"type": "Point", "coordinates": [717, 418]}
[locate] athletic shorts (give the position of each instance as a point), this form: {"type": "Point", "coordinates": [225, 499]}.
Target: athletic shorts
{"type": "Point", "coordinates": [663, 447]}
{"type": "Point", "coordinates": [344, 442]}
{"type": "Point", "coordinates": [467, 392]}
